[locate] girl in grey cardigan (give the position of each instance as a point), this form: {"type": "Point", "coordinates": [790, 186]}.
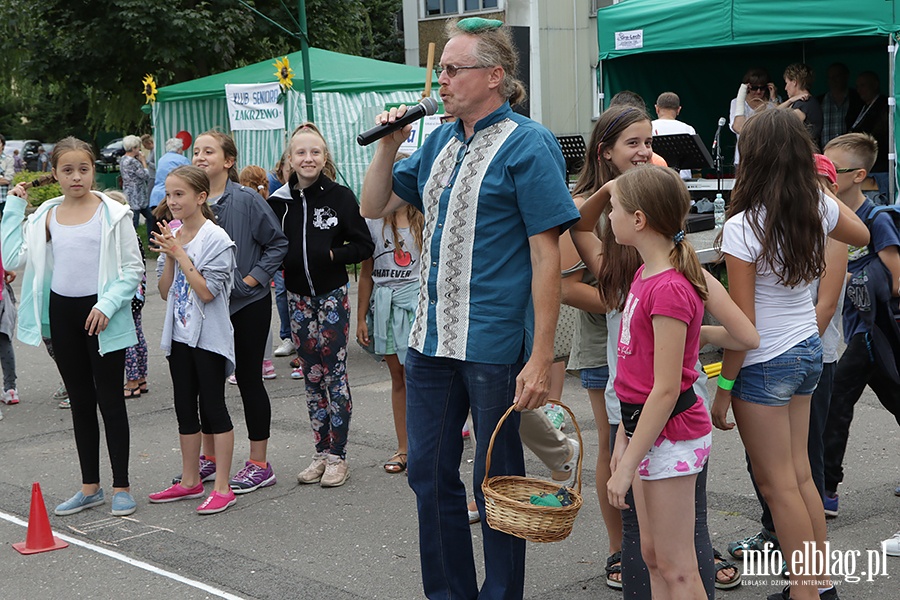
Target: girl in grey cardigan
{"type": "Point", "coordinates": [195, 270]}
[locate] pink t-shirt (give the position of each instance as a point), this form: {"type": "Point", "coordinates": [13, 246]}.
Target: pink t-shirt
{"type": "Point", "coordinates": [669, 294]}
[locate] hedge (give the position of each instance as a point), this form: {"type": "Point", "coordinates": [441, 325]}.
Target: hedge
{"type": "Point", "coordinates": [37, 195]}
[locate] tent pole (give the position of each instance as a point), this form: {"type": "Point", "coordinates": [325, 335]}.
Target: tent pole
{"type": "Point", "coordinates": [601, 95]}
{"type": "Point", "coordinates": [892, 106]}
{"type": "Point", "coordinates": [304, 49]}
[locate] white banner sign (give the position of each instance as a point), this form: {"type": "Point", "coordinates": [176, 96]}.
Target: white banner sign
{"type": "Point", "coordinates": [421, 129]}
{"type": "Point", "coordinates": [254, 106]}
{"type": "Point", "coordinates": [630, 40]}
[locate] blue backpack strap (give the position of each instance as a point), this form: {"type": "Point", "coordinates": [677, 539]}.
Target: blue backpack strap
{"type": "Point", "coordinates": [894, 215]}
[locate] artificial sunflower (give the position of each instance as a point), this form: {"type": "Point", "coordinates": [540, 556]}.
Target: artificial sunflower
{"type": "Point", "coordinates": [284, 73]}
{"type": "Point", "coordinates": [149, 89]}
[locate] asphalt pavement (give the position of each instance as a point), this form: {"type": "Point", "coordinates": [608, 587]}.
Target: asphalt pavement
{"type": "Point", "coordinates": [358, 540]}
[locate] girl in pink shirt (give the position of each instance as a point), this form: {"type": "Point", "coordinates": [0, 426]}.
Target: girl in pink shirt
{"type": "Point", "coordinates": [665, 436]}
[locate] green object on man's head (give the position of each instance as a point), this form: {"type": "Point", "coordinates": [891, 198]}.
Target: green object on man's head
{"type": "Point", "coordinates": [477, 24]}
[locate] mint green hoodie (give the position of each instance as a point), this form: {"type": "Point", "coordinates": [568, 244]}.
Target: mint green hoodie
{"type": "Point", "coordinates": [23, 242]}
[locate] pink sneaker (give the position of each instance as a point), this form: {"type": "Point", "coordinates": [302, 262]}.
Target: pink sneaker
{"type": "Point", "coordinates": [268, 370]}
{"type": "Point", "coordinates": [177, 492]}
{"type": "Point", "coordinates": [216, 503]}
{"type": "Point", "coordinates": [10, 397]}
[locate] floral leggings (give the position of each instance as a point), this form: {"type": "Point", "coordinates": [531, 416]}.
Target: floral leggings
{"type": "Point", "coordinates": [136, 356]}
{"type": "Point", "coordinates": [319, 327]}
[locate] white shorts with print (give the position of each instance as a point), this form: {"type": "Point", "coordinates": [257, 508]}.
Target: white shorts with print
{"type": "Point", "coordinates": [675, 459]}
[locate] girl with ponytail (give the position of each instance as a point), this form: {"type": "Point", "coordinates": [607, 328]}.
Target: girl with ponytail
{"type": "Point", "coordinates": [664, 439]}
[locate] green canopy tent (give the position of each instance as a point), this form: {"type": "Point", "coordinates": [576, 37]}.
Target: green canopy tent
{"type": "Point", "coordinates": [348, 91]}
{"type": "Point", "coordinates": [700, 49]}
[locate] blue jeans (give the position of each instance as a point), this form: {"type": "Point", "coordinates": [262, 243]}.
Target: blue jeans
{"type": "Point", "coordinates": [148, 217]}
{"type": "Point", "coordinates": [281, 304]}
{"type": "Point", "coordinates": [439, 394]}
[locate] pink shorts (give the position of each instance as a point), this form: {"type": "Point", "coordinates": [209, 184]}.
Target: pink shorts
{"type": "Point", "coordinates": [675, 459]}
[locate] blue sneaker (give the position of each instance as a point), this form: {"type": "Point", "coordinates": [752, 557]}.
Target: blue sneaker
{"type": "Point", "coordinates": [830, 502]}
{"type": "Point", "coordinates": [897, 491]}
{"type": "Point", "coordinates": [78, 503]}
{"type": "Point", "coordinates": [123, 504]}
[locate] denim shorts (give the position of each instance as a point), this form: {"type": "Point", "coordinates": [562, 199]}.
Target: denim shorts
{"type": "Point", "coordinates": [794, 372]}
{"type": "Point", "coordinates": [595, 378]}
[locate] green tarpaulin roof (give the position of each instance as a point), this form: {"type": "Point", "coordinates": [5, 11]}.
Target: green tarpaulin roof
{"type": "Point", "coordinates": [668, 25]}
{"type": "Point", "coordinates": [331, 72]}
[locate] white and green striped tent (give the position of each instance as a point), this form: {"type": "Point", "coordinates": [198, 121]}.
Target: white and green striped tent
{"type": "Point", "coordinates": [348, 92]}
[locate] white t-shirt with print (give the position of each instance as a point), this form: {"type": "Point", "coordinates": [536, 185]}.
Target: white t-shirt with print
{"type": "Point", "coordinates": [396, 262]}
{"type": "Point", "coordinates": [181, 289]}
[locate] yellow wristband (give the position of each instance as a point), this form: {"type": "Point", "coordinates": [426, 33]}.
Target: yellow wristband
{"type": "Point", "coordinates": [725, 384]}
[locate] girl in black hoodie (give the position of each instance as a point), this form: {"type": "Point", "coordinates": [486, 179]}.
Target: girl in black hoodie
{"type": "Point", "coordinates": [325, 233]}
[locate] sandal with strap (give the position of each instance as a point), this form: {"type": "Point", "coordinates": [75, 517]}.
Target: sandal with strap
{"type": "Point", "coordinates": [721, 565]}
{"type": "Point", "coordinates": [396, 466]}
{"type": "Point", "coordinates": [145, 389]}
{"type": "Point", "coordinates": [614, 566]}
{"type": "Point", "coordinates": [132, 392]}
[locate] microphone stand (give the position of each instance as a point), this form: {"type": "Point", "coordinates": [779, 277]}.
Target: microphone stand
{"type": "Point", "coordinates": [718, 159]}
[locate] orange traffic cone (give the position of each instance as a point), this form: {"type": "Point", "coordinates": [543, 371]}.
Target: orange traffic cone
{"type": "Point", "coordinates": [39, 538]}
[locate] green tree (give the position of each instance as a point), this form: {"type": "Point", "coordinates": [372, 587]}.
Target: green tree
{"type": "Point", "coordinates": [77, 65]}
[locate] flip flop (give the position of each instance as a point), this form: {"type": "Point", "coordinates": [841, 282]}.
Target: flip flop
{"type": "Point", "coordinates": [396, 466]}
{"type": "Point", "coordinates": [144, 388]}
{"type": "Point", "coordinates": [132, 392]}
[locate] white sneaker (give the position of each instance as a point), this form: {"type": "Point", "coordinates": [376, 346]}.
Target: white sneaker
{"type": "Point", "coordinates": [337, 471]}
{"type": "Point", "coordinates": [286, 348]}
{"type": "Point", "coordinates": [566, 476]}
{"type": "Point", "coordinates": [10, 396]}
{"type": "Point", "coordinates": [892, 545]}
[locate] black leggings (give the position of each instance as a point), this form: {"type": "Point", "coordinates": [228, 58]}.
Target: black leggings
{"type": "Point", "coordinates": [251, 330]}
{"type": "Point", "coordinates": [92, 380]}
{"type": "Point", "coordinates": [198, 382]}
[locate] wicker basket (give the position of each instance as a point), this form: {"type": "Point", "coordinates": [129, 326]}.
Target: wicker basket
{"type": "Point", "coordinates": [506, 499]}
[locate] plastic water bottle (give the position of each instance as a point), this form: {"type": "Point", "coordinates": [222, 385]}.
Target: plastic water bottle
{"type": "Point", "coordinates": [556, 415]}
{"type": "Point", "coordinates": [719, 207]}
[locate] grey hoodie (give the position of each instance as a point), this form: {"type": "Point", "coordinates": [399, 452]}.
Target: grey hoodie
{"type": "Point", "coordinates": [261, 245]}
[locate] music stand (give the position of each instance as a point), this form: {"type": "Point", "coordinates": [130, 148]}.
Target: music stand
{"type": "Point", "coordinates": [683, 151]}
{"type": "Point", "coordinates": [573, 150]}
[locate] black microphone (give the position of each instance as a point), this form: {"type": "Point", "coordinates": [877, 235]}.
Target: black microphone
{"type": "Point", "coordinates": [427, 106]}
{"type": "Point", "coordinates": [718, 131]}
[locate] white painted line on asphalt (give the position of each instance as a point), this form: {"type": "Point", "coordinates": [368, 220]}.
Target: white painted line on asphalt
{"type": "Point", "coordinates": [131, 561]}
{"type": "Point", "coordinates": [124, 526]}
